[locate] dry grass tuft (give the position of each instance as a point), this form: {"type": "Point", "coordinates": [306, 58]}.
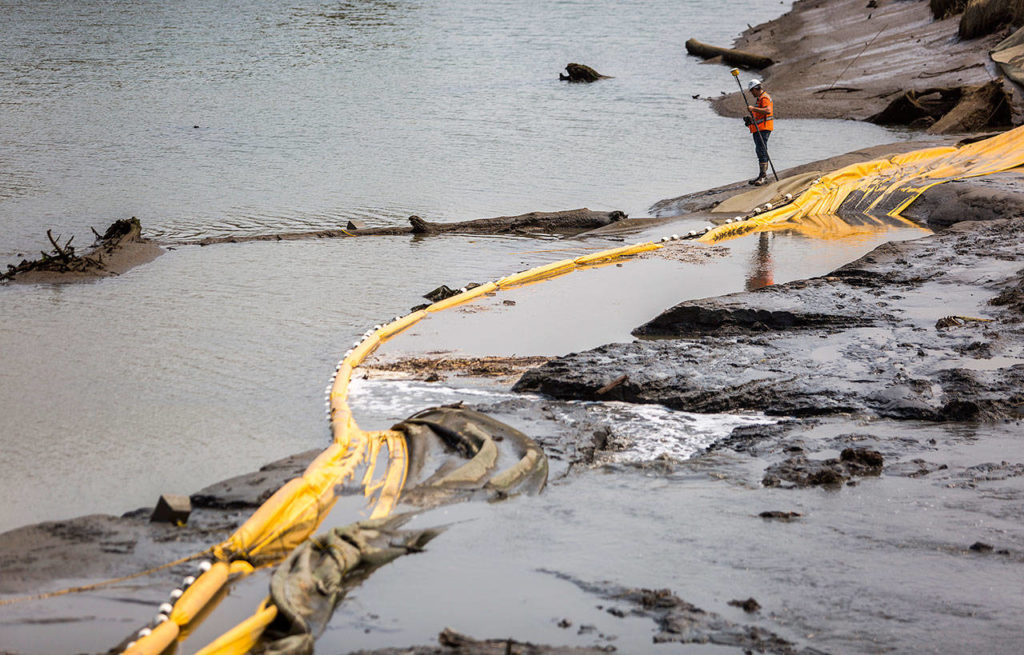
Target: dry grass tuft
{"type": "Point", "coordinates": [946, 8]}
{"type": "Point", "coordinates": [983, 17]}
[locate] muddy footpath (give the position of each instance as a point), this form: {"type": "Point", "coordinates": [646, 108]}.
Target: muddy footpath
{"type": "Point", "coordinates": [877, 507]}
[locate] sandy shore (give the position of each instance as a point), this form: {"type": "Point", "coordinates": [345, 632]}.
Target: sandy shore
{"type": "Point", "coordinates": [881, 512]}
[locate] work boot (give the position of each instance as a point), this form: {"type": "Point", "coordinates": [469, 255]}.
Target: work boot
{"type": "Point", "coordinates": [762, 177]}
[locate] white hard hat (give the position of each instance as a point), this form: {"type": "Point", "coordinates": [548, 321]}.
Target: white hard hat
{"type": "Point", "coordinates": [753, 83]}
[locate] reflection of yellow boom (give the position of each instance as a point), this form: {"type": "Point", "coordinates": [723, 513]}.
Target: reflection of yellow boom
{"type": "Point", "coordinates": [832, 228]}
{"type": "Point", "coordinates": [290, 516]}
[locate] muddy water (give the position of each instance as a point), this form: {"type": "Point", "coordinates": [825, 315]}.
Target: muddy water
{"type": "Point", "coordinates": [840, 567]}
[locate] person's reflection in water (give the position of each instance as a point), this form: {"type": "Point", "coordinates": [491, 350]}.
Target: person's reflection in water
{"type": "Point", "coordinates": [761, 268]}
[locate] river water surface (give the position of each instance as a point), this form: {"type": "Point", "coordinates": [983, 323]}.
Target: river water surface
{"type": "Point", "coordinates": [251, 117]}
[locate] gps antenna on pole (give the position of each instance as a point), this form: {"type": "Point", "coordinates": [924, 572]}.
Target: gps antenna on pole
{"type": "Point", "coordinates": [736, 73]}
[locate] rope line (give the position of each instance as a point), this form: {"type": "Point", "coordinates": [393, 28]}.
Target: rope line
{"type": "Point", "coordinates": [853, 62]}
{"type": "Point", "coordinates": [103, 583]}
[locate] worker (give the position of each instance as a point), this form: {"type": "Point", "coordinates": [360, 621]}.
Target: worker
{"type": "Point", "coordinates": [760, 127]}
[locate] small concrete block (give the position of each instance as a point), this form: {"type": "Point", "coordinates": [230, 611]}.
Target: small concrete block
{"type": "Point", "coordinates": [172, 508]}
{"type": "Point", "coordinates": [355, 225]}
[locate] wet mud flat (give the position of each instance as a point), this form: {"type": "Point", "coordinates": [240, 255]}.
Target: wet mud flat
{"type": "Point", "coordinates": [899, 383]}
{"type": "Point", "coordinates": [927, 329]}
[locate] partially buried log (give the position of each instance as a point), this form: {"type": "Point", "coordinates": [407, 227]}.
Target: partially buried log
{"type": "Point", "coordinates": [564, 221]}
{"type": "Point", "coordinates": [979, 108]}
{"type": "Point", "coordinates": [945, 110]}
{"type": "Point", "coordinates": [729, 55]}
{"type": "Point", "coordinates": [581, 73]}
{"type": "Point", "coordinates": [918, 108]}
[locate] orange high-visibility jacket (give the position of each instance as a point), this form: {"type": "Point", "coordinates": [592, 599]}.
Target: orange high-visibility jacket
{"type": "Point", "coordinates": [764, 122]}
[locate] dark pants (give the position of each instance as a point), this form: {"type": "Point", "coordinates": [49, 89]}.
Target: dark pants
{"type": "Point", "coordinates": [761, 145]}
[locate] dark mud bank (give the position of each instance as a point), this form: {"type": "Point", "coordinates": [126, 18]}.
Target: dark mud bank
{"type": "Point", "coordinates": [101, 546]}
{"type": "Point", "coordinates": [931, 329]}
{"type": "Point", "coordinates": [886, 60]}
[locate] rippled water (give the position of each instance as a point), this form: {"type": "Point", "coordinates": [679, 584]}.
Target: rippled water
{"type": "Point", "coordinates": [233, 118]}
{"type": "Point", "coordinates": [237, 117]}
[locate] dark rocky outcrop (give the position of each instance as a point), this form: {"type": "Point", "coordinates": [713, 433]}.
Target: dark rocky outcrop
{"type": "Point", "coordinates": [983, 199]}
{"type": "Point", "coordinates": [451, 642]}
{"type": "Point", "coordinates": [684, 623]}
{"type": "Point", "coordinates": [581, 73]}
{"type": "Point", "coordinates": [799, 471]}
{"type": "Point", "coordinates": [725, 317]}
{"type": "Point", "coordinates": [859, 340]}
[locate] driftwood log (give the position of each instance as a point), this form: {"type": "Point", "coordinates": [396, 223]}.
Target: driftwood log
{"type": "Point", "coordinates": [573, 220]}
{"type": "Point", "coordinates": [729, 55]}
{"type": "Point", "coordinates": [565, 221]}
{"type": "Point", "coordinates": [945, 110]}
{"type": "Point", "coordinates": [581, 73]}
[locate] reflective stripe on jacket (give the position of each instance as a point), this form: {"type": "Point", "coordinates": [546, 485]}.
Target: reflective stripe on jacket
{"type": "Point", "coordinates": [764, 122]}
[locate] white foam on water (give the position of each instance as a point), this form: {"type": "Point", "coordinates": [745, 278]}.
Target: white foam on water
{"type": "Point", "coordinates": [643, 433]}
{"type": "Point", "coordinates": [394, 400]}
{"type": "Point", "coordinates": [639, 433]}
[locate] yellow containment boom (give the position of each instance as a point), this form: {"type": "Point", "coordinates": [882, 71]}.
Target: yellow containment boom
{"type": "Point", "coordinates": [296, 510]}
{"type": "Point", "coordinates": [886, 187]}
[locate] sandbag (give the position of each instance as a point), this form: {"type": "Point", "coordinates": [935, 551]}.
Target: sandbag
{"type": "Point", "coordinates": [1009, 54]}
{"type": "Point", "coordinates": [457, 453]}
{"type": "Point", "coordinates": [308, 585]}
